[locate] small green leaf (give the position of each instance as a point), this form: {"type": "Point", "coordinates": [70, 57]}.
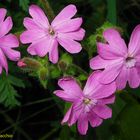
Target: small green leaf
{"type": "Point", "coordinates": [55, 73]}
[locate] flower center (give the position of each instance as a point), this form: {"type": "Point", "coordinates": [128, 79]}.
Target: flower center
{"type": "Point", "coordinates": [130, 62]}
{"type": "Point", "coordinates": [86, 101]}
{"type": "Point", "coordinates": [51, 31]}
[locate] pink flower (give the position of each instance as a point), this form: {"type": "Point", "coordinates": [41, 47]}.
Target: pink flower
{"type": "Point", "coordinates": [45, 37]}
{"type": "Point", "coordinates": [88, 105]}
{"type": "Point", "coordinates": [7, 41]}
{"type": "Point", "coordinates": [120, 64]}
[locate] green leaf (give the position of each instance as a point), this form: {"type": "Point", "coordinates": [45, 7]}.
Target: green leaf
{"type": "Point", "coordinates": [8, 95]}
{"type": "Point", "coordinates": [24, 4]}
{"type": "Point", "coordinates": [55, 73]}
{"type": "Point", "coordinates": [16, 81]}
{"type": "Point", "coordinates": [129, 123]}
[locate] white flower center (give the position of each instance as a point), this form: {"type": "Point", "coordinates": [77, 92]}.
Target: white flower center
{"type": "Point", "coordinates": [89, 104]}
{"type": "Point", "coordinates": [130, 62]}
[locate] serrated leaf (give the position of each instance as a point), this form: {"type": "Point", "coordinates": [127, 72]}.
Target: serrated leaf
{"type": "Point", "coordinates": [16, 81]}
{"type": "Point", "coordinates": [8, 95]}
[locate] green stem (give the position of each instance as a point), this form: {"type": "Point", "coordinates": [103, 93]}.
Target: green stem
{"type": "Point", "coordinates": [48, 9]}
{"type": "Point", "coordinates": [21, 121]}
{"type": "Point", "coordinates": [45, 137]}
{"type": "Point", "coordinates": [15, 125]}
{"type": "Point", "coordinates": [38, 101]}
{"type": "Point", "coordinates": [112, 11]}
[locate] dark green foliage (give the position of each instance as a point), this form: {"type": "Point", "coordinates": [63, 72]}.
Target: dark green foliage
{"type": "Point", "coordinates": [24, 4]}
{"type": "Point", "coordinates": [8, 94]}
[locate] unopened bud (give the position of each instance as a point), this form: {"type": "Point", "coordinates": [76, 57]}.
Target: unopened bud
{"type": "Point", "coordinates": [29, 63]}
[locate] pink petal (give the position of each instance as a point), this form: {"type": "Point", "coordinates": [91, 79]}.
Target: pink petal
{"type": "Point", "coordinates": [107, 52]}
{"type": "Point", "coordinates": [133, 47]}
{"type": "Point", "coordinates": [111, 73]}
{"type": "Point", "coordinates": [69, 45]}
{"type": "Point", "coordinates": [76, 35]}
{"type": "Point", "coordinates": [30, 36]}
{"type": "Point", "coordinates": [47, 45]}
{"type": "Point", "coordinates": [39, 16]}
{"type": "Point", "coordinates": [6, 26]}
{"type": "Point", "coordinates": [67, 13]}
{"type": "Point", "coordinates": [53, 54]}
{"type": "Point", "coordinates": [133, 78]}
{"type": "Point", "coordinates": [72, 114]}
{"type": "Point", "coordinates": [2, 14]}
{"type": "Point", "coordinates": [65, 95]}
{"type": "Point", "coordinates": [121, 80]}
{"type": "Point", "coordinates": [67, 116]}
{"type": "Point", "coordinates": [0, 69]}
{"type": "Point", "coordinates": [71, 87]}
{"type": "Point", "coordinates": [11, 54]}
{"type": "Point", "coordinates": [103, 111]}
{"type": "Point", "coordinates": [30, 24]}
{"type": "Point", "coordinates": [98, 63]}
{"type": "Point", "coordinates": [31, 49]}
{"type": "Point", "coordinates": [115, 41]}
{"type": "Point", "coordinates": [3, 61]}
{"type": "Point", "coordinates": [94, 120]}
{"type": "Point", "coordinates": [83, 124]}
{"type": "Point", "coordinates": [9, 41]}
{"type": "Point", "coordinates": [40, 47]}
{"type": "Point", "coordinates": [108, 100]}
{"type": "Point", "coordinates": [103, 91]}
{"type": "Point", "coordinates": [69, 25]}
{"type": "Point", "coordinates": [76, 112]}
{"type": "Point", "coordinates": [95, 89]}
{"type": "Point", "coordinates": [92, 83]}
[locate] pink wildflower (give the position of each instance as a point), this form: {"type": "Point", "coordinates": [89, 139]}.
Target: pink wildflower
{"type": "Point", "coordinates": [88, 105]}
{"type": "Point", "coordinates": [7, 41]}
{"type": "Point", "coordinates": [120, 64]}
{"type": "Point", "coordinates": [45, 37]}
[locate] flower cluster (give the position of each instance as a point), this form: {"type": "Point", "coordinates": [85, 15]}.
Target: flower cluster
{"type": "Point", "coordinates": [115, 64]}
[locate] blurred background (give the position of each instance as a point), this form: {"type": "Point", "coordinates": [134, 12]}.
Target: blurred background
{"type": "Point", "coordinates": [28, 108]}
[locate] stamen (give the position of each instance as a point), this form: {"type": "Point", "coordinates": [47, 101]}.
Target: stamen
{"type": "Point", "coordinates": [86, 101]}
{"type": "Point", "coordinates": [51, 31]}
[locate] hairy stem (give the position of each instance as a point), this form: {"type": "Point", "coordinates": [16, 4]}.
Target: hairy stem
{"type": "Point", "coordinates": [48, 9]}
